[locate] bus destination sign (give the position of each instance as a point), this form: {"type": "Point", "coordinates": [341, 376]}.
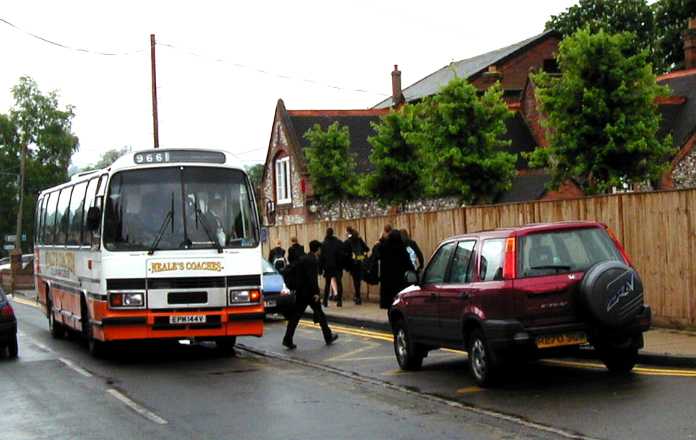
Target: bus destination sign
{"type": "Point", "coordinates": [179, 156]}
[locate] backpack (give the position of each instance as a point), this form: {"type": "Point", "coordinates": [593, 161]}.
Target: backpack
{"type": "Point", "coordinates": [370, 268]}
{"type": "Point", "coordinates": [279, 264]}
{"type": "Point", "coordinates": [291, 276]}
{"type": "Point", "coordinates": [412, 255]}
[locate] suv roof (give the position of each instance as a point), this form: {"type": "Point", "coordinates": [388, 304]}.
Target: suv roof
{"type": "Point", "coordinates": [527, 229]}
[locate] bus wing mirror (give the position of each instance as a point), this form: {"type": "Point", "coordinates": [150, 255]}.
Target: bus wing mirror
{"type": "Point", "coordinates": [93, 217]}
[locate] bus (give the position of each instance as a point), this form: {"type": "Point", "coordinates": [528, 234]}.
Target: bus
{"type": "Point", "coordinates": [163, 244]}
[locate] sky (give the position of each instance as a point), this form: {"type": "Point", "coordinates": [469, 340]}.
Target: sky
{"type": "Point", "coordinates": [222, 65]}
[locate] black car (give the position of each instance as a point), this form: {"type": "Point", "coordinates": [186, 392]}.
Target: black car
{"type": "Point", "coordinates": [8, 327]}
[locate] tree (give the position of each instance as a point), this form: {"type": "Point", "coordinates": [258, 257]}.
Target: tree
{"type": "Point", "coordinates": [397, 166]}
{"type": "Point", "coordinates": [612, 16]}
{"type": "Point", "coordinates": [460, 136]}
{"type": "Point", "coordinates": [601, 114]}
{"type": "Point", "coordinates": [107, 158]}
{"type": "Point", "coordinates": [671, 20]}
{"type": "Point", "coordinates": [255, 173]}
{"type": "Point", "coordinates": [330, 165]}
{"type": "Point", "coordinates": [36, 126]}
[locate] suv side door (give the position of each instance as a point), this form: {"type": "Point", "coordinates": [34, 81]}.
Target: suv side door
{"type": "Point", "coordinates": [423, 319]}
{"type": "Point", "coordinates": [458, 292]}
{"type": "Point", "coordinates": [490, 300]}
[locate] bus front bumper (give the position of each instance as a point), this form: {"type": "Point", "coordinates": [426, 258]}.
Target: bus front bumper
{"type": "Point", "coordinates": [161, 324]}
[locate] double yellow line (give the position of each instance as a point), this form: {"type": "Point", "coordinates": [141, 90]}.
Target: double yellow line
{"type": "Point", "coordinates": [383, 336]}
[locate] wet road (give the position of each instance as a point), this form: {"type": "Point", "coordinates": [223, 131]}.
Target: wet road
{"type": "Point", "coordinates": [349, 390]}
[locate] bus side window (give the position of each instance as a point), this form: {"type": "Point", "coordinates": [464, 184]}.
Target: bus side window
{"type": "Point", "coordinates": [77, 203]}
{"type": "Point", "coordinates": [37, 221]}
{"type": "Point", "coordinates": [63, 216]}
{"type": "Point", "coordinates": [51, 217]}
{"type": "Point", "coordinates": [89, 202]}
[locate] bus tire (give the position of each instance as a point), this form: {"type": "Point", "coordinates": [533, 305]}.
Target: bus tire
{"type": "Point", "coordinates": [225, 346]}
{"type": "Point", "coordinates": [56, 329]}
{"type": "Point", "coordinates": [95, 346]}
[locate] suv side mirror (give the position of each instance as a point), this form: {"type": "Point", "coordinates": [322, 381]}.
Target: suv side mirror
{"type": "Point", "coordinates": [93, 217]}
{"type": "Point", "coordinates": [411, 277]}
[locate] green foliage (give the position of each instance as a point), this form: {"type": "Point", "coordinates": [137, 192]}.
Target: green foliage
{"type": "Point", "coordinates": [601, 114]}
{"type": "Point", "coordinates": [671, 20]}
{"type": "Point", "coordinates": [37, 121]}
{"type": "Point", "coordinates": [612, 16]}
{"type": "Point", "coordinates": [397, 166]}
{"type": "Point", "coordinates": [460, 137]}
{"type": "Point", "coordinates": [658, 27]}
{"type": "Point", "coordinates": [107, 158]}
{"type": "Point", "coordinates": [331, 167]}
{"type": "Point", "coordinates": [255, 173]}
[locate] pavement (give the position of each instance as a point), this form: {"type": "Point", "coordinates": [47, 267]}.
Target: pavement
{"type": "Point", "coordinates": [665, 347]}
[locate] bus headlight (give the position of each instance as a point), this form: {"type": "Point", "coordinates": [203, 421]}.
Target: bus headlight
{"type": "Point", "coordinates": [245, 296]}
{"type": "Point", "coordinates": [126, 299]}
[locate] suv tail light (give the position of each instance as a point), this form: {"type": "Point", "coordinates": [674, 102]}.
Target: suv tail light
{"type": "Point", "coordinates": [510, 263]}
{"type": "Point", "coordinates": [620, 247]}
{"type": "Point", "coordinates": [6, 311]}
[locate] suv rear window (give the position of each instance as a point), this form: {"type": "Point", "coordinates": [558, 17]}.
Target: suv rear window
{"type": "Point", "coordinates": [574, 250]}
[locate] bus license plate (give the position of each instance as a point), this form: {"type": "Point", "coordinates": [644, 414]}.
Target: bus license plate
{"type": "Point", "coordinates": [551, 341]}
{"type": "Point", "coordinates": [187, 319]}
{"type": "Point", "coordinates": [270, 303]}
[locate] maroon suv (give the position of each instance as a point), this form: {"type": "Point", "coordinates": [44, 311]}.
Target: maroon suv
{"type": "Point", "coordinates": [532, 290]}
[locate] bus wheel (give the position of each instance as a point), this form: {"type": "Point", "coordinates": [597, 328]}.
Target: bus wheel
{"type": "Point", "coordinates": [55, 328]}
{"type": "Point", "coordinates": [96, 347]}
{"type": "Point", "coordinates": [225, 346]}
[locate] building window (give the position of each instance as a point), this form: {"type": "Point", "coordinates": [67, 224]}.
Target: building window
{"type": "Point", "coordinates": [282, 180]}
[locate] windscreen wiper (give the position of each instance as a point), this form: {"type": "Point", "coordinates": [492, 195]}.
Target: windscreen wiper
{"type": "Point", "coordinates": [206, 227]}
{"type": "Point", "coordinates": [167, 219]}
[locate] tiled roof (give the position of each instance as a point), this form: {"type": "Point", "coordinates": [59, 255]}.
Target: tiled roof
{"type": "Point", "coordinates": [679, 119]}
{"type": "Point", "coordinates": [463, 69]}
{"type": "Point", "coordinates": [525, 188]}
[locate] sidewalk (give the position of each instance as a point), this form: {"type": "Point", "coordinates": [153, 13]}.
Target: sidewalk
{"type": "Point", "coordinates": [662, 346]}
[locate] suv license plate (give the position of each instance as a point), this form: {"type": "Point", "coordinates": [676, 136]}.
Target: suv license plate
{"type": "Point", "coordinates": [187, 319]}
{"type": "Point", "coordinates": [550, 341]}
{"type": "Point", "coordinates": [270, 303]}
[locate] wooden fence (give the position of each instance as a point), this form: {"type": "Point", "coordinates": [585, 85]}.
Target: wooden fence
{"type": "Point", "coordinates": [658, 229]}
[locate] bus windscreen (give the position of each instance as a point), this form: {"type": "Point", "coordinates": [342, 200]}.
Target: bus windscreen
{"type": "Point", "coordinates": [179, 208]}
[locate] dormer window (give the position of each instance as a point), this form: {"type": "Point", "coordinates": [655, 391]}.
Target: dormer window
{"type": "Point", "coordinates": [282, 180]}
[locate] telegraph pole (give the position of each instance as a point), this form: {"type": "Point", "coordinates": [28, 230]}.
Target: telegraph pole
{"type": "Point", "coordinates": [155, 123]}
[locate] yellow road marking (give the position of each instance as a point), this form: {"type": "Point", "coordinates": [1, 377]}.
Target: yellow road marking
{"type": "Point", "coordinates": [26, 302]}
{"type": "Point", "coordinates": [351, 354]}
{"type": "Point", "coordinates": [469, 390]}
{"type": "Point", "coordinates": [639, 370]}
{"type": "Point", "coordinates": [384, 336]}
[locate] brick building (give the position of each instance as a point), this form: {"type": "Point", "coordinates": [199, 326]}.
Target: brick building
{"type": "Point", "coordinates": [287, 193]}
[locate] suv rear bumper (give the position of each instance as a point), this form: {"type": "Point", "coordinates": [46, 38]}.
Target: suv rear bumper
{"type": "Point", "coordinates": [505, 335]}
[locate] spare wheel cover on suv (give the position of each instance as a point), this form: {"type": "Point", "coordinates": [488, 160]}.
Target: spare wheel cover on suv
{"type": "Point", "coordinates": [613, 293]}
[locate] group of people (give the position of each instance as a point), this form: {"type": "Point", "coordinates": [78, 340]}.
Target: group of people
{"type": "Point", "coordinates": [391, 257]}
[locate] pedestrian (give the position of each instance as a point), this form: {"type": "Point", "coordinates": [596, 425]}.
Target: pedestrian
{"type": "Point", "coordinates": [331, 262]}
{"type": "Point", "coordinates": [295, 251]}
{"type": "Point", "coordinates": [358, 251]}
{"type": "Point", "coordinates": [413, 250]}
{"type": "Point", "coordinates": [277, 256]}
{"type": "Point", "coordinates": [394, 263]}
{"type": "Point", "coordinates": [307, 294]}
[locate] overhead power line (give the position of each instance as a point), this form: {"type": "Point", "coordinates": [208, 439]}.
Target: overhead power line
{"type": "Point", "coordinates": [67, 47]}
{"type": "Point", "coordinates": [270, 73]}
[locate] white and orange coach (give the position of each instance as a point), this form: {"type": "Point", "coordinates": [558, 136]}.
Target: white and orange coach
{"type": "Point", "coordinates": [163, 244]}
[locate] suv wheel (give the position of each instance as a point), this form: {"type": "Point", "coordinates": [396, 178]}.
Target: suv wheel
{"type": "Point", "coordinates": [619, 359]}
{"type": "Point", "coordinates": [408, 354]}
{"type": "Point", "coordinates": [481, 363]}
{"type": "Point", "coordinates": [13, 348]}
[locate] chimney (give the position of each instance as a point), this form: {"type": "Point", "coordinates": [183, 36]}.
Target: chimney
{"type": "Point", "coordinates": [397, 95]}
{"type": "Point", "coordinates": [690, 45]}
